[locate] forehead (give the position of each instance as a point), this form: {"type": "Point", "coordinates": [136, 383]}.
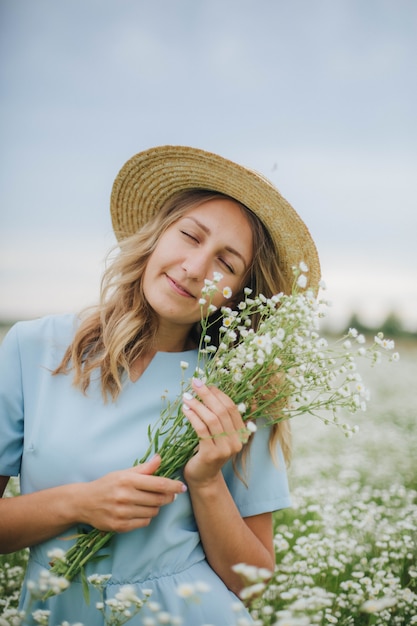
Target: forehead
{"type": "Point", "coordinates": [223, 218]}
{"type": "Point", "coordinates": [220, 212]}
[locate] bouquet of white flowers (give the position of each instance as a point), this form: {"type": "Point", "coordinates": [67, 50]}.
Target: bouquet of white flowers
{"type": "Point", "coordinates": [276, 369]}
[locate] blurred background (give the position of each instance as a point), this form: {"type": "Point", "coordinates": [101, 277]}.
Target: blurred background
{"type": "Point", "coordinates": [321, 97]}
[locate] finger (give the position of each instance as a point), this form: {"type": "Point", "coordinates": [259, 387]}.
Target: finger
{"type": "Point", "coordinates": [221, 404]}
{"type": "Point", "coordinates": [230, 406]}
{"type": "Point", "coordinates": [156, 484]}
{"type": "Point", "coordinates": [239, 426]}
{"type": "Point", "coordinates": [163, 484]}
{"type": "Point", "coordinates": [216, 436]}
{"type": "Point", "coordinates": [205, 421]}
{"type": "Point", "coordinates": [201, 426]}
{"type": "Point", "coordinates": [229, 420]}
{"type": "Point", "coordinates": [129, 519]}
{"type": "Point", "coordinates": [150, 466]}
{"type": "Point", "coordinates": [212, 396]}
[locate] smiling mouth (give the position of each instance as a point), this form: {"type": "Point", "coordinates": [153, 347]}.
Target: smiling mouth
{"type": "Point", "coordinates": [179, 288]}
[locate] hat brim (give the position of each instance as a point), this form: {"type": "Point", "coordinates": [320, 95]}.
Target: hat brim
{"type": "Point", "coordinates": [153, 176]}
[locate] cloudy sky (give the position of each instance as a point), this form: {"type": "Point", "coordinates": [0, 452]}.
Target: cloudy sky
{"type": "Point", "coordinates": [318, 95]}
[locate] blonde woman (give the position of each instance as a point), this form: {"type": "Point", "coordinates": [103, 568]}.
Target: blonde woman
{"type": "Point", "coordinates": [78, 393]}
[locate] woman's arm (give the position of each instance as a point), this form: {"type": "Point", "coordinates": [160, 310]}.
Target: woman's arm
{"type": "Point", "coordinates": [120, 501]}
{"type": "Point", "coordinates": [227, 538]}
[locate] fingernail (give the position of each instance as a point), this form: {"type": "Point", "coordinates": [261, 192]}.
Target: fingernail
{"type": "Point", "coordinates": [184, 488]}
{"type": "Point", "coordinates": [187, 396]}
{"type": "Point", "coordinates": [197, 382]}
{"type": "Point", "coordinates": [185, 407]}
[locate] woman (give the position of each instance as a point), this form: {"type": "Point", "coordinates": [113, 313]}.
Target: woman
{"type": "Point", "coordinates": [78, 394]}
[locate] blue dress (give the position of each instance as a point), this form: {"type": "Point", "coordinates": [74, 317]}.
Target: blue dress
{"type": "Point", "coordinates": [52, 434]}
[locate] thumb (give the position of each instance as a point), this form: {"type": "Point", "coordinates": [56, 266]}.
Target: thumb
{"type": "Point", "coordinates": [150, 466]}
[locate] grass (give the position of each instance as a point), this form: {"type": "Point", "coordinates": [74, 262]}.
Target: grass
{"type": "Point", "coordinates": [347, 549]}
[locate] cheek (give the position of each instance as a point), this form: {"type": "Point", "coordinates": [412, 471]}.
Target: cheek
{"type": "Point", "coordinates": [228, 294]}
{"type": "Point", "coordinates": [158, 259]}
{"type": "Point", "coordinates": [153, 269]}
{"type": "Point", "coordinates": [167, 249]}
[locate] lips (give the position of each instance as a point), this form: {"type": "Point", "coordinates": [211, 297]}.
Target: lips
{"type": "Point", "coordinates": [178, 288]}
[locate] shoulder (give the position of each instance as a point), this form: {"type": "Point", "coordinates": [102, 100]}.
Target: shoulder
{"type": "Point", "coordinates": [50, 326]}
{"type": "Point", "coordinates": [49, 333]}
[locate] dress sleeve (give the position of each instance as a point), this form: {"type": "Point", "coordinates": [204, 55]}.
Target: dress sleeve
{"type": "Point", "coordinates": [265, 487]}
{"type": "Point", "coordinates": [11, 405]}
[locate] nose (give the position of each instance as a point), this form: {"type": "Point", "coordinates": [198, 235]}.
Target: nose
{"type": "Point", "coordinates": [196, 264]}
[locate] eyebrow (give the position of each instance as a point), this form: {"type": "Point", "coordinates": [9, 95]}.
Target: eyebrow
{"type": "Point", "coordinates": [208, 232]}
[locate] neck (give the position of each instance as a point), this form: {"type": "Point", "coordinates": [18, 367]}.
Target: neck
{"type": "Point", "coordinates": [161, 344]}
{"type": "Point", "coordinates": [172, 338]}
{"type": "Point", "coordinates": [172, 344]}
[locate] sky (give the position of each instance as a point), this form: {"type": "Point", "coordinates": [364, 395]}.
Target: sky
{"type": "Point", "coordinates": [320, 96]}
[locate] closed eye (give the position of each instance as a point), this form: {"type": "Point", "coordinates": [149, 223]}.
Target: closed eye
{"type": "Point", "coordinates": [227, 266]}
{"type": "Point", "coordinates": [189, 236]}
{"type": "Point", "coordinates": [195, 239]}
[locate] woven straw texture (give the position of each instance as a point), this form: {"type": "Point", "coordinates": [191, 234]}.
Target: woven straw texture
{"type": "Point", "coordinates": [149, 178]}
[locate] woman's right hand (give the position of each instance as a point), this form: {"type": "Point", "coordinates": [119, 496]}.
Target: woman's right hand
{"type": "Point", "coordinates": [119, 501]}
{"type": "Point", "coordinates": [126, 499]}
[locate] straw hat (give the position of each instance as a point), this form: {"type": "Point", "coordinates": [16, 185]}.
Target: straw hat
{"type": "Point", "coordinates": [151, 177]}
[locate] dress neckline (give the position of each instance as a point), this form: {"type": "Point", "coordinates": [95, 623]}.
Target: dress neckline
{"type": "Point", "coordinates": [167, 355]}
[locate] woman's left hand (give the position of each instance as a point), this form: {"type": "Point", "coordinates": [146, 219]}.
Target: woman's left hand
{"type": "Point", "coordinates": [227, 538]}
{"type": "Point", "coordinates": [220, 429]}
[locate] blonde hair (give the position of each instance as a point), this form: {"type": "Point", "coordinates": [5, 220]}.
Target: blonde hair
{"type": "Point", "coordinates": [123, 327]}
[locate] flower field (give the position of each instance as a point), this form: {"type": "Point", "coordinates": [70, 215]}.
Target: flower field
{"type": "Point", "coordinates": [347, 549]}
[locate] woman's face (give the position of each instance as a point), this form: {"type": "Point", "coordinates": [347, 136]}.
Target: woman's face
{"type": "Point", "coordinates": [213, 237]}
